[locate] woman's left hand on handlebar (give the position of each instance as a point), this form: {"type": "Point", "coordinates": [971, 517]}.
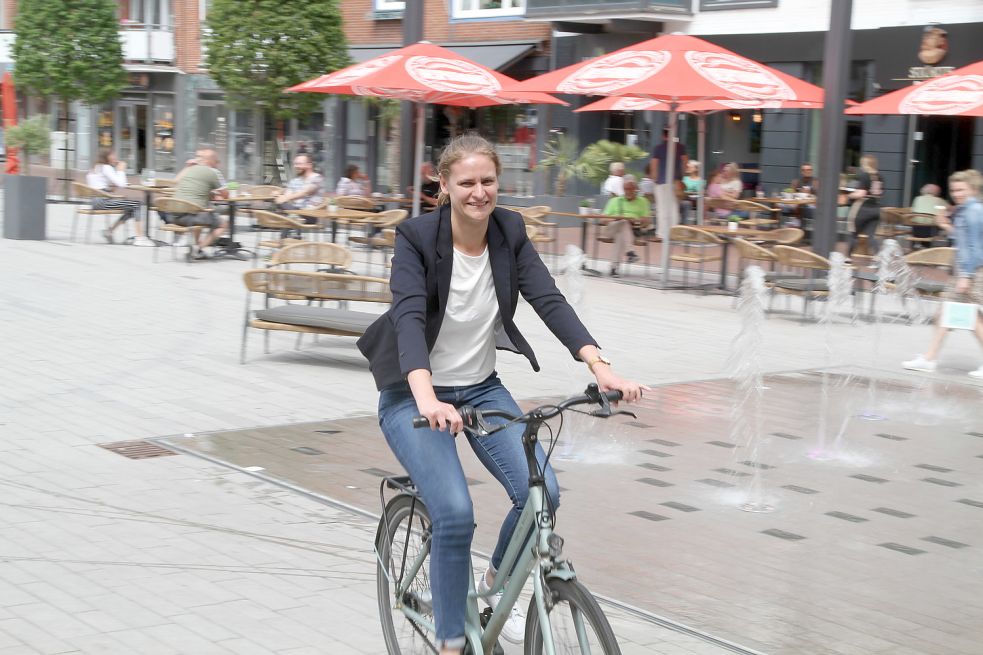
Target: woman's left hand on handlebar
{"type": "Point", "coordinates": [608, 380]}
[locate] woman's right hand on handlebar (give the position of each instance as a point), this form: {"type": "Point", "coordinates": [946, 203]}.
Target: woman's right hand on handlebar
{"type": "Point", "coordinates": [441, 415]}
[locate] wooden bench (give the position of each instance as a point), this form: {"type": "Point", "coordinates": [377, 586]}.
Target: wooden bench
{"type": "Point", "coordinates": [299, 291]}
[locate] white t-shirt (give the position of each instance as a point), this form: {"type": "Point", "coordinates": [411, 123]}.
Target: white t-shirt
{"type": "Point", "coordinates": [104, 177]}
{"type": "Point", "coordinates": [614, 185]}
{"type": "Point", "coordinates": [464, 353]}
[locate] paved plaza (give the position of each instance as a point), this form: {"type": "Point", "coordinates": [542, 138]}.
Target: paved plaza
{"type": "Point", "coordinates": [241, 544]}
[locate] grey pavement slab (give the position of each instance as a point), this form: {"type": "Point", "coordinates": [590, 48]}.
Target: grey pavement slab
{"type": "Point", "coordinates": [172, 555]}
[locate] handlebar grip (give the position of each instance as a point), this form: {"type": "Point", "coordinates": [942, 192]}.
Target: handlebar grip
{"type": "Point", "coordinates": [614, 396]}
{"type": "Point", "coordinates": [421, 422]}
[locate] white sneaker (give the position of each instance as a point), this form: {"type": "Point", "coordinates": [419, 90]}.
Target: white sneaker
{"type": "Point", "coordinates": [921, 364]}
{"type": "Point", "coordinates": [514, 629]}
{"type": "Point", "coordinates": [142, 241]}
{"type": "Point", "coordinates": [978, 373]}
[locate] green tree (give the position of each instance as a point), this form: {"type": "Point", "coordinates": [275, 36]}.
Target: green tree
{"type": "Point", "coordinates": [69, 50]}
{"type": "Point", "coordinates": [258, 48]}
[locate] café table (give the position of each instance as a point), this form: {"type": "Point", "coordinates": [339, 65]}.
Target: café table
{"type": "Point", "coordinates": [726, 233]}
{"type": "Point", "coordinates": [230, 248]}
{"type": "Point", "coordinates": [148, 192]}
{"type": "Point", "coordinates": [334, 215]}
{"type": "Point", "coordinates": [597, 220]}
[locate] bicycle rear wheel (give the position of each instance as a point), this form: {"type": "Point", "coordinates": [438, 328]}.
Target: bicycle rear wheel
{"type": "Point", "coordinates": [404, 532]}
{"type": "Point", "coordinates": [577, 623]}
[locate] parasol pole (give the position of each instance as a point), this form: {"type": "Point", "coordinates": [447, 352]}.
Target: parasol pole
{"type": "Point", "coordinates": [417, 188]}
{"type": "Point", "coordinates": [701, 146]}
{"type": "Point", "coordinates": [670, 173]}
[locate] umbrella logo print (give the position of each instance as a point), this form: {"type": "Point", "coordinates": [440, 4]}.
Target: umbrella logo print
{"type": "Point", "coordinates": [953, 94]}
{"type": "Point", "coordinates": [738, 76]}
{"type": "Point", "coordinates": [361, 70]}
{"type": "Point", "coordinates": [413, 95]}
{"type": "Point", "coordinates": [452, 76]}
{"type": "Point", "coordinates": [614, 72]}
{"type": "Point", "coordinates": [628, 103]}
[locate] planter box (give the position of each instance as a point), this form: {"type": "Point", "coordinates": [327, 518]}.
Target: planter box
{"type": "Point", "coordinates": [25, 207]}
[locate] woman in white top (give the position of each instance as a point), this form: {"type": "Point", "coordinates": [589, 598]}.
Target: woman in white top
{"type": "Point", "coordinates": [354, 183]}
{"type": "Point", "coordinates": [109, 173]}
{"type": "Point", "coordinates": [456, 276]}
{"type": "Point", "coordinates": [615, 184]}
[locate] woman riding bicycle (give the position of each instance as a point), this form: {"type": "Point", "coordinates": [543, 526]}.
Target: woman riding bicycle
{"type": "Point", "coordinates": [456, 275]}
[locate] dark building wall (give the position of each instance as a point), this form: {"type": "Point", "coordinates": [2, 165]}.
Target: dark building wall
{"type": "Point", "coordinates": [978, 145]}
{"type": "Point", "coordinates": [885, 138]}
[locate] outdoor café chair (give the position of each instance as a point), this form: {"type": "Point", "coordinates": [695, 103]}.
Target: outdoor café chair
{"type": "Point", "coordinates": [698, 247]}
{"type": "Point", "coordinates": [912, 220]}
{"type": "Point", "coordinates": [280, 230]}
{"type": "Point", "coordinates": [383, 236]}
{"type": "Point", "coordinates": [89, 193]}
{"type": "Point", "coordinates": [175, 207]}
{"type": "Point", "coordinates": [758, 215]}
{"type": "Point", "coordinates": [326, 257]}
{"type": "Point", "coordinates": [534, 216]}
{"type": "Point", "coordinates": [786, 236]}
{"type": "Point", "coordinates": [811, 285]}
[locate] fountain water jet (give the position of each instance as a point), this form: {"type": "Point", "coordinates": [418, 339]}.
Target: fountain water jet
{"type": "Point", "coordinates": [745, 366]}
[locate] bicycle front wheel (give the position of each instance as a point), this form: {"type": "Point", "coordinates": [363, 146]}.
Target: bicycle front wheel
{"type": "Point", "coordinates": [404, 533]}
{"type": "Point", "coordinates": [577, 623]}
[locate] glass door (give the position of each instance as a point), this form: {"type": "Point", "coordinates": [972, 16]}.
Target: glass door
{"type": "Point", "coordinates": [131, 139]}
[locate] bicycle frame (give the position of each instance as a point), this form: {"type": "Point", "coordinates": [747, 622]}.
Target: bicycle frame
{"type": "Point", "coordinates": [524, 556]}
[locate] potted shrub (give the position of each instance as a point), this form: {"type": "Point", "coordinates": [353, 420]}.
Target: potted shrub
{"type": "Point", "coordinates": [733, 222]}
{"type": "Point", "coordinates": [585, 206]}
{"type": "Point", "coordinates": [25, 195]}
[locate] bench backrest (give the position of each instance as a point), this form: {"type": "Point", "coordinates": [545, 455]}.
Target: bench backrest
{"type": "Point", "coordinates": [311, 252]}
{"type": "Point", "coordinates": [311, 285]}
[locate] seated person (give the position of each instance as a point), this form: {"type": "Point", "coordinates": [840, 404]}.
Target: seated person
{"type": "Point", "coordinates": [108, 174]}
{"type": "Point", "coordinates": [929, 202]}
{"type": "Point", "coordinates": [693, 187]}
{"type": "Point", "coordinates": [614, 185]}
{"type": "Point", "coordinates": [429, 187]}
{"type": "Point", "coordinates": [638, 214]}
{"type": "Point", "coordinates": [354, 183]}
{"type": "Point", "coordinates": [199, 183]}
{"type": "Point", "coordinates": [306, 189]}
{"type": "Point", "coordinates": [646, 187]}
{"type": "Point", "coordinates": [805, 183]}
{"type": "Point", "coordinates": [726, 186]}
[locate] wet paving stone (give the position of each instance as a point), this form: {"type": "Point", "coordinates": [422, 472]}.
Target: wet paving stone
{"type": "Point", "coordinates": [892, 437]}
{"type": "Point", "coordinates": [732, 472]}
{"type": "Point", "coordinates": [654, 482]}
{"type": "Point", "coordinates": [715, 483]}
{"type": "Point", "coordinates": [932, 467]}
{"type": "Point", "coordinates": [948, 543]}
{"type": "Point", "coordinates": [681, 507]}
{"type": "Point", "coordinates": [307, 450]}
{"type": "Point", "coordinates": [967, 501]}
{"type": "Point", "coordinates": [941, 482]}
{"type": "Point", "coordinates": [800, 490]}
{"type": "Point", "coordinates": [847, 517]}
{"type": "Point", "coordinates": [869, 478]}
{"type": "Point", "coordinates": [897, 513]}
{"type": "Point", "coordinates": [382, 473]}
{"type": "Point", "coordinates": [786, 435]}
{"type": "Point", "coordinates": [665, 442]}
{"type": "Point", "coordinates": [757, 465]}
{"type": "Point", "coordinates": [654, 467]}
{"type": "Point", "coordinates": [649, 516]}
{"type": "Point", "coordinates": [783, 534]}
{"type": "Point", "coordinates": [723, 444]}
{"type": "Point", "coordinates": [655, 453]}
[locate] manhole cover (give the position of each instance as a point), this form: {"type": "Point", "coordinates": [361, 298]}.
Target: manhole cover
{"type": "Point", "coordinates": [137, 449]}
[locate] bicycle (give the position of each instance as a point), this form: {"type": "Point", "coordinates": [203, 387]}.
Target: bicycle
{"type": "Point", "coordinates": [403, 545]}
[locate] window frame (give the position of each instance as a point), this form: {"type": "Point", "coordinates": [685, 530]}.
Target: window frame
{"type": "Point", "coordinates": [458, 12]}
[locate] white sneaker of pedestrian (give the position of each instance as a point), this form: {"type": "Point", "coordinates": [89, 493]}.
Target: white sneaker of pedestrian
{"type": "Point", "coordinates": [978, 373]}
{"type": "Point", "coordinates": [143, 241]}
{"type": "Point", "coordinates": [515, 626]}
{"type": "Point", "coordinates": [919, 363]}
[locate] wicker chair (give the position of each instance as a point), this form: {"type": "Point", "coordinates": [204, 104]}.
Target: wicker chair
{"type": "Point", "coordinates": [355, 202]}
{"type": "Point", "coordinates": [911, 220]}
{"type": "Point", "coordinates": [327, 257]}
{"type": "Point", "coordinates": [533, 216]}
{"type": "Point", "coordinates": [811, 286]}
{"type": "Point", "coordinates": [696, 244]}
{"type": "Point", "coordinates": [786, 236]}
{"type": "Point", "coordinates": [936, 259]}
{"type": "Point", "coordinates": [89, 193]}
{"type": "Point", "coordinates": [305, 317]}
{"type": "Point", "coordinates": [383, 236]}
{"type": "Point", "coordinates": [176, 207]}
{"type": "Point", "coordinates": [279, 229]}
{"type": "Point", "coordinates": [758, 215]}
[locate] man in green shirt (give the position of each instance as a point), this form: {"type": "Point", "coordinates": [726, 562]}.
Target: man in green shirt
{"type": "Point", "coordinates": [636, 212]}
{"type": "Point", "coordinates": [200, 183]}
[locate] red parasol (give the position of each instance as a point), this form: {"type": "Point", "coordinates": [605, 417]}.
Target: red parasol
{"type": "Point", "coordinates": [959, 93]}
{"type": "Point", "coordinates": [9, 100]}
{"type": "Point", "coordinates": [675, 68]}
{"type": "Point", "coordinates": [424, 73]}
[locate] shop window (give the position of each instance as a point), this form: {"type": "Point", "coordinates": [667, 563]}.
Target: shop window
{"type": "Point", "coordinates": [163, 142]}
{"type": "Point", "coordinates": [487, 8]}
{"type": "Point", "coordinates": [385, 8]}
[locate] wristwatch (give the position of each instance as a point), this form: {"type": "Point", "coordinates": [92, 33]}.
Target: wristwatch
{"type": "Point", "coordinates": [600, 359]}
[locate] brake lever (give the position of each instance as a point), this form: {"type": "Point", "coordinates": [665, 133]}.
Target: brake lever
{"type": "Point", "coordinates": [475, 422]}
{"type": "Point", "coordinates": [601, 413]}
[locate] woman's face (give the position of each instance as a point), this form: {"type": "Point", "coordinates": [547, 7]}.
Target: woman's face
{"type": "Point", "coordinates": [959, 192]}
{"type": "Point", "coordinates": [691, 169]}
{"type": "Point", "coordinates": [472, 187]}
{"type": "Point", "coordinates": [112, 159]}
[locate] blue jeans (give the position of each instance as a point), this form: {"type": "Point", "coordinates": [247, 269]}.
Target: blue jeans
{"type": "Point", "coordinates": [430, 457]}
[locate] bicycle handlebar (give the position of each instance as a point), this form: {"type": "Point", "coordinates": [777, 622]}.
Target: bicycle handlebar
{"type": "Point", "coordinates": [591, 396]}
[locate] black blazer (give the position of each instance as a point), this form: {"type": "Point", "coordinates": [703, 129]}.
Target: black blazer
{"type": "Point", "coordinates": [400, 341]}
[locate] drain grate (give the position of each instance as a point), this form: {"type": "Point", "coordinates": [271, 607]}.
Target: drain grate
{"type": "Point", "coordinates": [137, 449]}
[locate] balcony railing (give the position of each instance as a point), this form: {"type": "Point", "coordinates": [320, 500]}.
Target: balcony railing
{"type": "Point", "coordinates": [601, 8]}
{"type": "Point", "coordinates": [147, 43]}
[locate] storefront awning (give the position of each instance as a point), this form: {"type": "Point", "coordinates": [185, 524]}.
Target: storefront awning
{"type": "Point", "coordinates": [497, 56]}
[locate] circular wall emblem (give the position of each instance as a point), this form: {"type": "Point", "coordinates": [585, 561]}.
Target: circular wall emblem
{"type": "Point", "coordinates": [751, 104]}
{"type": "Point", "coordinates": [614, 72]}
{"type": "Point", "coordinates": [952, 94]}
{"type": "Point", "coordinates": [358, 71]}
{"type": "Point", "coordinates": [739, 76]}
{"type": "Point", "coordinates": [452, 75]}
